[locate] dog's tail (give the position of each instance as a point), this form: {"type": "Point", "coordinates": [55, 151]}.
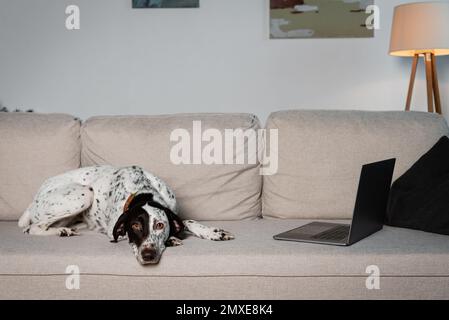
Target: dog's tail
{"type": "Point", "coordinates": [25, 219]}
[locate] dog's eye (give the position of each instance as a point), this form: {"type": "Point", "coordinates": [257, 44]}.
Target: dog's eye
{"type": "Point", "coordinates": [159, 226]}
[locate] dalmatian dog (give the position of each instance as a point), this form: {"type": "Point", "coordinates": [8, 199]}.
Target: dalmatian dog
{"type": "Point", "coordinates": [119, 202]}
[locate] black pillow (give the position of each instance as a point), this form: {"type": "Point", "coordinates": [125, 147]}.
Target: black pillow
{"type": "Point", "coordinates": [419, 199]}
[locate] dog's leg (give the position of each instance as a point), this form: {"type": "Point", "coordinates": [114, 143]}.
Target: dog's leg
{"type": "Point", "coordinates": [173, 242]}
{"type": "Point", "coordinates": [25, 219]}
{"type": "Point", "coordinates": [53, 208]}
{"type": "Point", "coordinates": [44, 230]}
{"type": "Point", "coordinates": [205, 232]}
{"type": "Point", "coordinates": [79, 226]}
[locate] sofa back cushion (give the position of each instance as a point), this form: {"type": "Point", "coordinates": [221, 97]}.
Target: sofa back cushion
{"type": "Point", "coordinates": [33, 147]}
{"type": "Point", "coordinates": [321, 154]}
{"type": "Point", "coordinates": [204, 191]}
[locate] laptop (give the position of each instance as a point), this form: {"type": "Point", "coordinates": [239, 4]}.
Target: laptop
{"type": "Point", "coordinates": [369, 212]}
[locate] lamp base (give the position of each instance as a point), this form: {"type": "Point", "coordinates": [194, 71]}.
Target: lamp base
{"type": "Point", "coordinates": [433, 90]}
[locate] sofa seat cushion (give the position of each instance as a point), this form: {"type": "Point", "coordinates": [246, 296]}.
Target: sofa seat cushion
{"type": "Point", "coordinates": [413, 265]}
{"type": "Point", "coordinates": [204, 191]}
{"type": "Point", "coordinates": [397, 252]}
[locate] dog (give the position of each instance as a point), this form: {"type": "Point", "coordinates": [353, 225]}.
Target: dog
{"type": "Point", "coordinates": [119, 202]}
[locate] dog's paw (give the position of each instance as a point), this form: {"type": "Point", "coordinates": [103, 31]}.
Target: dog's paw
{"type": "Point", "coordinates": [221, 235]}
{"type": "Point", "coordinates": [67, 232]}
{"type": "Point", "coordinates": [26, 230]}
{"type": "Point", "coordinates": [173, 242]}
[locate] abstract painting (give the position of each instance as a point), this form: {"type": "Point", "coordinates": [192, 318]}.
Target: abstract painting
{"type": "Point", "coordinates": [138, 4]}
{"type": "Point", "coordinates": [319, 19]}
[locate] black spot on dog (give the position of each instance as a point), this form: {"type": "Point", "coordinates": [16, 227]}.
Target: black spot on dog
{"type": "Point", "coordinates": [91, 189]}
{"type": "Point", "coordinates": [82, 194]}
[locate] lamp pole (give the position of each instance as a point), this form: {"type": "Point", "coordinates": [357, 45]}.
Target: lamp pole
{"type": "Point", "coordinates": [433, 90]}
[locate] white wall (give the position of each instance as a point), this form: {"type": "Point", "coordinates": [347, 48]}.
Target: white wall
{"type": "Point", "coordinates": [214, 59]}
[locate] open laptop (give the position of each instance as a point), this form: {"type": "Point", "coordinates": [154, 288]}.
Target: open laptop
{"type": "Point", "coordinates": [369, 211]}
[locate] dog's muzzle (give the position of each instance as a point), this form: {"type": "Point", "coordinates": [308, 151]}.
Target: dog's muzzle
{"type": "Point", "coordinates": [149, 255]}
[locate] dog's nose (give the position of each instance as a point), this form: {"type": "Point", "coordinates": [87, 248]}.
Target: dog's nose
{"type": "Point", "coordinates": [149, 254]}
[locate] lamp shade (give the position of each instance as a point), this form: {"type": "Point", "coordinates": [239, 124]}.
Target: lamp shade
{"type": "Point", "coordinates": [421, 27]}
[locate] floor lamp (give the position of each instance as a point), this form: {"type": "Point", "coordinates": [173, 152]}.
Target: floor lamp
{"type": "Point", "coordinates": [422, 30]}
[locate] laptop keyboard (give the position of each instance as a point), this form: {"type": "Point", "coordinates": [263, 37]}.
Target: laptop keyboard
{"type": "Point", "coordinates": [337, 233]}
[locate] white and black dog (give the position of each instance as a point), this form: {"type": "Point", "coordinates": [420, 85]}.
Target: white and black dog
{"type": "Point", "coordinates": [118, 202]}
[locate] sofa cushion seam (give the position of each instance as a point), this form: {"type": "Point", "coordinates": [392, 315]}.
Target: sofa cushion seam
{"type": "Point", "coordinates": [221, 276]}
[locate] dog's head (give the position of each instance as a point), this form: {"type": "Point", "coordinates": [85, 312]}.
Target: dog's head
{"type": "Point", "coordinates": [148, 225]}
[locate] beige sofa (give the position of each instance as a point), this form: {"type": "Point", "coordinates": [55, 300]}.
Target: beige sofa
{"type": "Point", "coordinates": [320, 154]}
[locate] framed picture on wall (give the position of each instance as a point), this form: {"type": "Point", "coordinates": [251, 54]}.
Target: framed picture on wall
{"type": "Point", "coordinates": [319, 19]}
{"type": "Point", "coordinates": [141, 4]}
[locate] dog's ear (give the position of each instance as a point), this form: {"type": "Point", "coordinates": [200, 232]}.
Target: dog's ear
{"type": "Point", "coordinates": [176, 225]}
{"type": "Point", "coordinates": [119, 228]}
